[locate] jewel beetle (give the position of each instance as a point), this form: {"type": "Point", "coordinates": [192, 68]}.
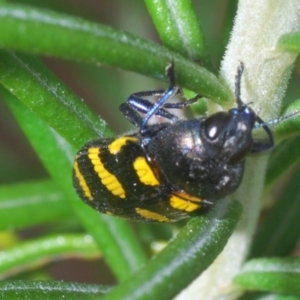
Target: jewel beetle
{"type": "Point", "coordinates": [168, 171]}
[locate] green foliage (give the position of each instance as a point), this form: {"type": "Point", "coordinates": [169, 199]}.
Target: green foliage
{"type": "Point", "coordinates": [279, 275]}
{"type": "Point", "coordinates": [56, 122]}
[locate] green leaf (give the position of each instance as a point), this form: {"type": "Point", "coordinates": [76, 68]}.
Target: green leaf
{"type": "Point", "coordinates": [50, 290]}
{"type": "Point", "coordinates": [45, 95]}
{"type": "Point", "coordinates": [28, 255]}
{"type": "Point", "coordinates": [46, 32]}
{"type": "Point", "coordinates": [290, 42]}
{"type": "Point", "coordinates": [267, 296]}
{"type": "Point", "coordinates": [273, 275]}
{"type": "Point", "coordinates": [18, 201]}
{"type": "Point", "coordinates": [194, 249]}
{"type": "Point", "coordinates": [179, 28]}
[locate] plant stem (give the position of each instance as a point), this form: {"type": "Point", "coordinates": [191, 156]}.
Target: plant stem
{"type": "Point", "coordinates": [258, 26]}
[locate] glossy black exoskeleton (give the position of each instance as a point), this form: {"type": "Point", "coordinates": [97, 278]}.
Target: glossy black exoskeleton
{"type": "Point", "coordinates": [202, 156]}
{"type": "Point", "coordinates": [172, 170]}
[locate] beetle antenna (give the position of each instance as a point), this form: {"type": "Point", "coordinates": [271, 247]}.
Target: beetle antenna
{"type": "Point", "coordinates": [278, 120]}
{"type": "Point", "coordinates": [238, 79]}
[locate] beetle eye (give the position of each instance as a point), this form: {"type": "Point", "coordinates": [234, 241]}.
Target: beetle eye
{"type": "Point", "coordinates": [215, 124]}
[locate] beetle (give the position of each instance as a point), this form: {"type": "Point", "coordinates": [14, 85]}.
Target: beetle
{"type": "Point", "coordinates": [169, 171]}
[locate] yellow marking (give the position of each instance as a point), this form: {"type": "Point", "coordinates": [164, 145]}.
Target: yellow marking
{"type": "Point", "coordinates": [151, 215]}
{"type": "Point", "coordinates": [109, 213]}
{"type": "Point", "coordinates": [109, 180]}
{"type": "Point", "coordinates": [117, 144]}
{"type": "Point", "coordinates": [184, 204]}
{"type": "Point", "coordinates": [82, 182]}
{"type": "Point", "coordinates": [188, 197]}
{"type": "Point", "coordinates": [94, 150]}
{"type": "Point", "coordinates": [144, 171]}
